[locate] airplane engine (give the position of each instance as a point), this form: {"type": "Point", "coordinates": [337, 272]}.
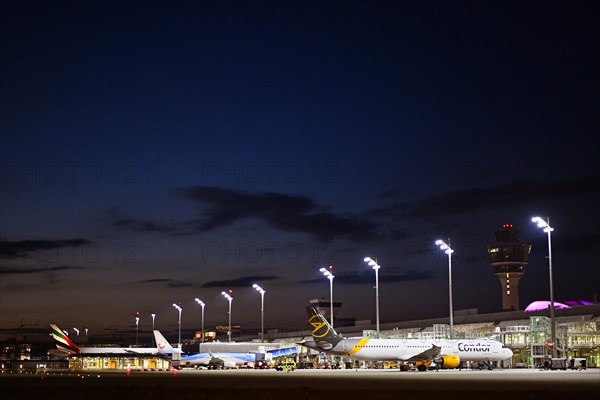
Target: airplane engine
{"type": "Point", "coordinates": [448, 362]}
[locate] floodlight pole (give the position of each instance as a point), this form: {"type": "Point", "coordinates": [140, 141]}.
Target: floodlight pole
{"type": "Point", "coordinates": [230, 299]}
{"type": "Point", "coordinates": [262, 292]}
{"type": "Point", "coordinates": [545, 224]}
{"type": "Point", "coordinates": [448, 250]}
{"type": "Point", "coordinates": [375, 266]}
{"type": "Point", "coordinates": [202, 304]}
{"type": "Point", "coordinates": [329, 276]}
{"type": "Point", "coordinates": [179, 309]}
{"type": "Point", "coordinates": [153, 316]}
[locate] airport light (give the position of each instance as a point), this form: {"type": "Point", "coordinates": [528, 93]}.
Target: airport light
{"type": "Point", "coordinates": [446, 248]}
{"type": "Point", "coordinates": [76, 331]}
{"type": "Point", "coordinates": [202, 304]}
{"type": "Point", "coordinates": [179, 323]}
{"type": "Point", "coordinates": [230, 299]}
{"type": "Point", "coordinates": [86, 331]}
{"type": "Point", "coordinates": [373, 263]}
{"type": "Point", "coordinates": [262, 310]}
{"type": "Point", "coordinates": [137, 327]}
{"type": "Point", "coordinates": [329, 276]}
{"type": "Point", "coordinates": [545, 225]}
{"type": "Point", "coordinates": [153, 315]}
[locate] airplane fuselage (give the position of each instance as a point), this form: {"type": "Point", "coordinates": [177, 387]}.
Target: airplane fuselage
{"type": "Point", "coordinates": [228, 359]}
{"type": "Point", "coordinates": [406, 349]}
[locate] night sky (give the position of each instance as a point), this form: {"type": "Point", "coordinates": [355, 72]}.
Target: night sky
{"type": "Point", "coordinates": [154, 152]}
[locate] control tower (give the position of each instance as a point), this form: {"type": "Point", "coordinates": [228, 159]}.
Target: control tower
{"type": "Point", "coordinates": [509, 257]}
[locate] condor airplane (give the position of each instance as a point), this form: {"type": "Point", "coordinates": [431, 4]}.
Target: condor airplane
{"type": "Point", "coordinates": [445, 353]}
{"type": "Point", "coordinates": [65, 347]}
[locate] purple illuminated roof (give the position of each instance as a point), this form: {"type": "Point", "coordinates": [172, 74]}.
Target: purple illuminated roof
{"type": "Point", "coordinates": [575, 303]}
{"type": "Point", "coordinates": [544, 305]}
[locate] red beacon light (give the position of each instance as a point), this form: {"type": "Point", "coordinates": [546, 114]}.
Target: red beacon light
{"type": "Point", "coordinates": [507, 225]}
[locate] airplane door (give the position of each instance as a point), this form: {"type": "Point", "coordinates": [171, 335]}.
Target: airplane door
{"type": "Point", "coordinates": [345, 347]}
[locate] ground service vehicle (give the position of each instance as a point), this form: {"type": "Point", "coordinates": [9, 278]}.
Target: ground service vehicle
{"type": "Point", "coordinates": [577, 363]}
{"type": "Point", "coordinates": [558, 363]}
{"type": "Point", "coordinates": [286, 365]}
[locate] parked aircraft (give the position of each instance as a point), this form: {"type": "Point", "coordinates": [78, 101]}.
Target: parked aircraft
{"type": "Point", "coordinates": [220, 360]}
{"type": "Point", "coordinates": [66, 347]}
{"type": "Point", "coordinates": [443, 352]}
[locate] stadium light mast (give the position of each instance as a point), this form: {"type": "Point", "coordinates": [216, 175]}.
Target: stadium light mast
{"type": "Point", "coordinates": [446, 248]}
{"type": "Point", "coordinates": [545, 225]}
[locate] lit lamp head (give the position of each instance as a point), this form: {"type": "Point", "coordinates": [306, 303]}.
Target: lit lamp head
{"type": "Point", "coordinates": [542, 224]}
{"type": "Point", "coordinates": [326, 272]}
{"type": "Point", "coordinates": [227, 296]}
{"type": "Point", "coordinates": [371, 263]}
{"type": "Point", "coordinates": [444, 246]}
{"type": "Point", "coordinates": [259, 289]}
{"type": "Point", "coordinates": [197, 300]}
{"type": "Point", "coordinates": [177, 307]}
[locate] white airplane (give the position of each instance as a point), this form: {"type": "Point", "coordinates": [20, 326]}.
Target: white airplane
{"type": "Point", "coordinates": [442, 352]}
{"type": "Point", "coordinates": [66, 347]}
{"type": "Point", "coordinates": [220, 360]}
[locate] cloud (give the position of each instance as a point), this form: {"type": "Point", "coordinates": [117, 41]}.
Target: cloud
{"type": "Point", "coordinates": [243, 281]}
{"type": "Point", "coordinates": [355, 278]}
{"type": "Point", "coordinates": [284, 212]}
{"type": "Point", "coordinates": [9, 249]}
{"type": "Point", "coordinates": [170, 282]}
{"type": "Point", "coordinates": [180, 284]}
{"type": "Point", "coordinates": [35, 270]}
{"type": "Point", "coordinates": [141, 225]}
{"type": "Point", "coordinates": [510, 194]}
{"type": "Point", "coordinates": [157, 280]}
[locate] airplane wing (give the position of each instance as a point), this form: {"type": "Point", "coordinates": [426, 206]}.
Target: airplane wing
{"type": "Point", "coordinates": [60, 353]}
{"type": "Point", "coordinates": [133, 351]}
{"type": "Point", "coordinates": [428, 354]}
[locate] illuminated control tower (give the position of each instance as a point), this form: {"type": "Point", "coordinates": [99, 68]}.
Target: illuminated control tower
{"type": "Point", "coordinates": [508, 257]}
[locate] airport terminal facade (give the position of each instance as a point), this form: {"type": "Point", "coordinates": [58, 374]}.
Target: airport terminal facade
{"type": "Point", "coordinates": [527, 334]}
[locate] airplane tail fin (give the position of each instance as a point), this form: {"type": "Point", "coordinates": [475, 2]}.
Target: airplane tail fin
{"type": "Point", "coordinates": [323, 334]}
{"type": "Point", "coordinates": [62, 341]}
{"type": "Point", "coordinates": [163, 345]}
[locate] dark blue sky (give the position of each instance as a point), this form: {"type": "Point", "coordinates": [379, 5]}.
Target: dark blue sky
{"type": "Point", "coordinates": [153, 152]}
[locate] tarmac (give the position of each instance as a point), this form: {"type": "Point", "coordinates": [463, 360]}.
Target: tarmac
{"type": "Point", "coordinates": [304, 384]}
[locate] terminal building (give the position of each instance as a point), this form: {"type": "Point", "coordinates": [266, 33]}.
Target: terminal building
{"type": "Point", "coordinates": [526, 333]}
